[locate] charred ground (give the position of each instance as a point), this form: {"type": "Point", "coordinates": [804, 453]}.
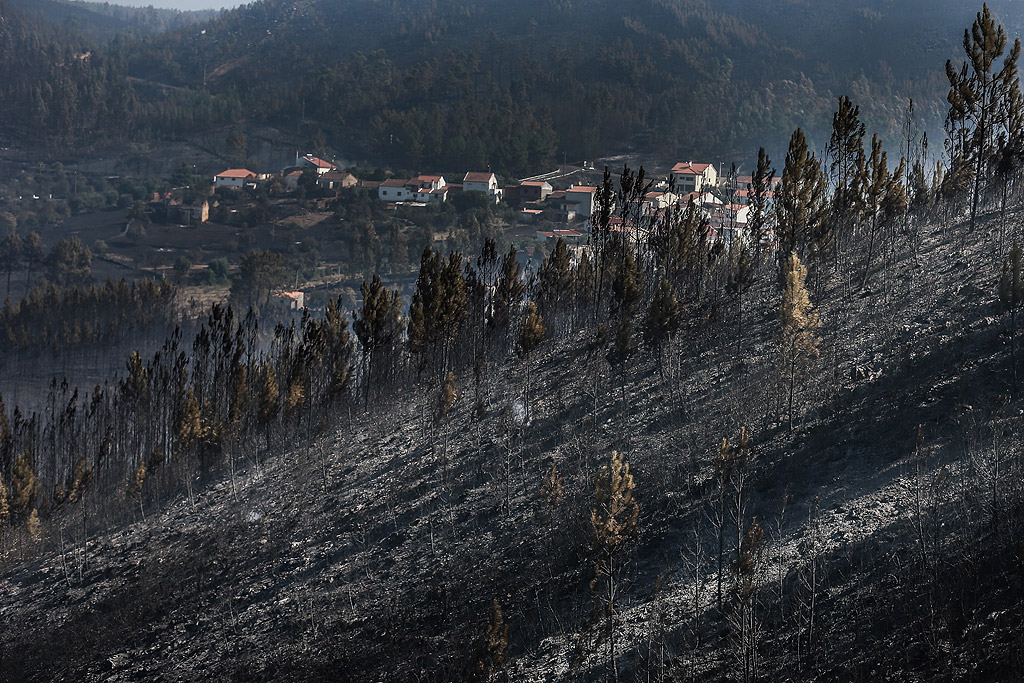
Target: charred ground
{"type": "Point", "coordinates": [371, 546]}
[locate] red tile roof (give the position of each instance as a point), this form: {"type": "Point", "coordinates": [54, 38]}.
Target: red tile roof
{"type": "Point", "coordinates": [236, 173]}
{"type": "Point", "coordinates": [689, 168]}
{"type": "Point", "coordinates": [536, 183]}
{"type": "Point", "coordinates": [589, 189]}
{"type": "Point", "coordinates": [318, 162]}
{"type": "Point", "coordinates": [478, 177]}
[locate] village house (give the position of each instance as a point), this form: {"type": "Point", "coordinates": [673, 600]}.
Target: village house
{"type": "Point", "coordinates": [738, 213]}
{"type": "Point", "coordinates": [234, 177]}
{"type": "Point", "coordinates": [295, 301]}
{"type": "Point", "coordinates": [397, 190]}
{"type": "Point", "coordinates": [568, 236]}
{"type": "Point", "coordinates": [430, 182]}
{"type": "Point", "coordinates": [534, 190]}
{"type": "Point", "coordinates": [193, 214]}
{"type": "Point", "coordinates": [423, 189]}
{"type": "Point", "coordinates": [580, 200]}
{"type": "Point", "coordinates": [530, 193]}
{"type": "Point", "coordinates": [291, 179]}
{"type": "Point", "coordinates": [656, 201]}
{"type": "Point", "coordinates": [428, 196]}
{"type": "Point", "coordinates": [336, 180]}
{"type": "Point", "coordinates": [687, 198]}
{"type": "Point", "coordinates": [744, 181]}
{"type": "Point", "coordinates": [480, 181]}
{"type": "Point", "coordinates": [742, 188]}
{"type": "Point", "coordinates": [691, 177]}
{"type": "Point", "coordinates": [429, 188]}
{"type": "Point", "coordinates": [743, 196]}
{"type": "Point", "coordinates": [310, 161]}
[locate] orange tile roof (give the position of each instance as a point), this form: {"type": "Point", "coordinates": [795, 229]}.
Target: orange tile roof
{"type": "Point", "coordinates": [236, 173]}
{"type": "Point", "coordinates": [690, 168]}
{"type": "Point", "coordinates": [318, 162]}
{"type": "Point", "coordinates": [583, 188]}
{"type": "Point", "coordinates": [478, 177]}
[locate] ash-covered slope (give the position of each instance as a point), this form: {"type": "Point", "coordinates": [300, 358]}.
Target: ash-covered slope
{"type": "Point", "coordinates": [375, 550]}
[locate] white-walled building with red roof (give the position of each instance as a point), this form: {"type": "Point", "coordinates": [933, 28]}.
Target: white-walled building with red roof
{"type": "Point", "coordinates": [397, 190]}
{"type": "Point", "coordinates": [693, 177]}
{"type": "Point", "coordinates": [234, 177]}
{"type": "Point", "coordinates": [482, 181]}
{"type": "Point", "coordinates": [310, 161]}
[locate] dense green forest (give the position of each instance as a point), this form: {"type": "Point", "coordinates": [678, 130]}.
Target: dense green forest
{"type": "Point", "coordinates": [466, 85]}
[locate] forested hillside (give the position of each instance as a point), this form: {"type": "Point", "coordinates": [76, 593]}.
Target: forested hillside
{"type": "Point", "coordinates": [102, 21]}
{"type": "Point", "coordinates": [514, 86]}
{"type": "Point", "coordinates": [55, 90]}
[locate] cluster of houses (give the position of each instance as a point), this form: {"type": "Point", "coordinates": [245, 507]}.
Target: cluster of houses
{"type": "Point", "coordinates": [423, 189]}
{"type": "Point", "coordinates": [724, 200]}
